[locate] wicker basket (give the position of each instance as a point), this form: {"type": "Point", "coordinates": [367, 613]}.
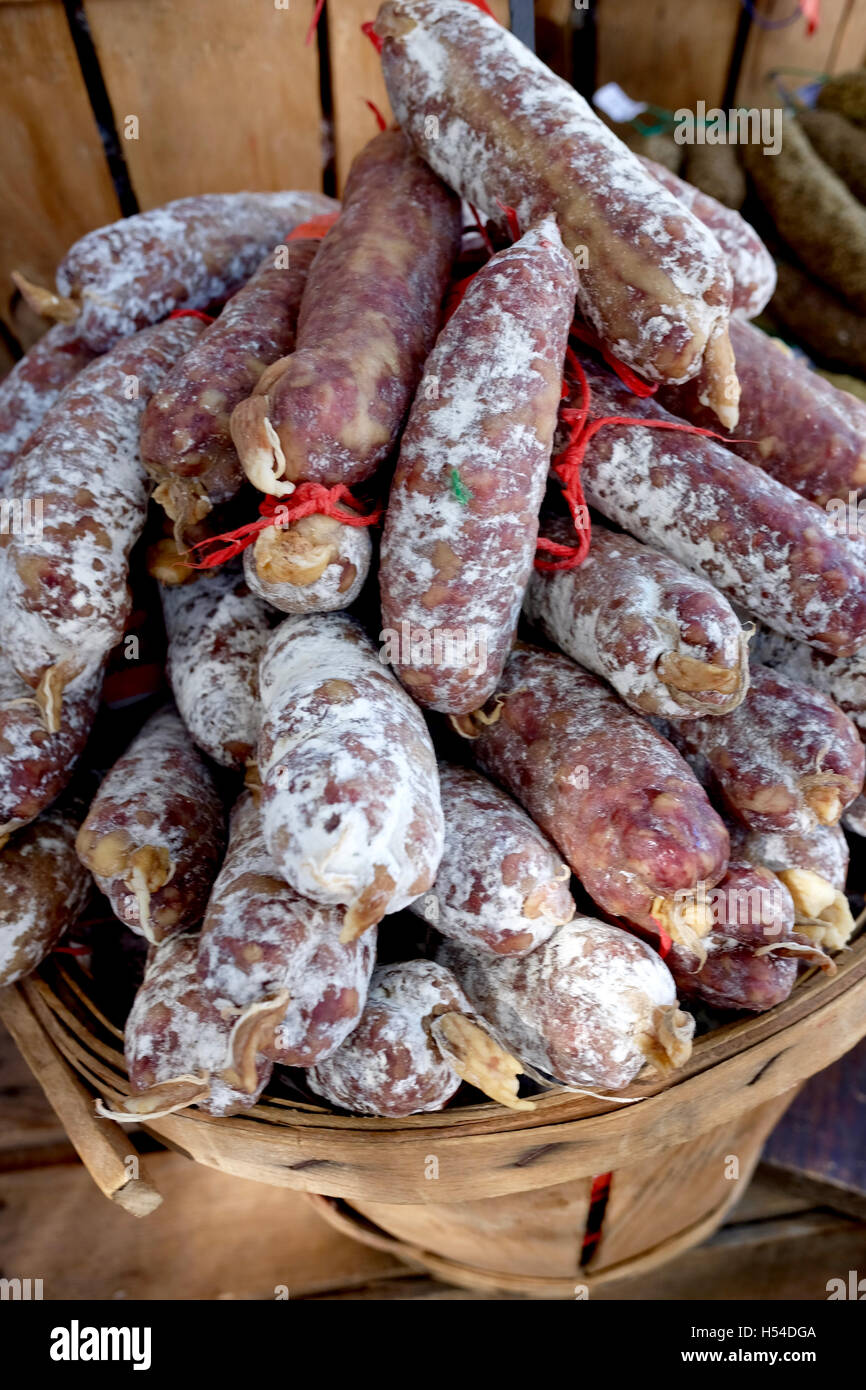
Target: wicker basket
{"type": "Point", "coordinates": [534, 1242]}
{"type": "Point", "coordinates": [479, 1195]}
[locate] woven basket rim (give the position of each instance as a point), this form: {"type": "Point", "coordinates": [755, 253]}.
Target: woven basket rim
{"type": "Point", "coordinates": [59, 996]}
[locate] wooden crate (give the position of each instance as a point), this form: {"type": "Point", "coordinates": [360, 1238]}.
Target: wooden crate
{"type": "Point", "coordinates": [666, 53]}
{"type": "Point", "coordinates": [55, 182]}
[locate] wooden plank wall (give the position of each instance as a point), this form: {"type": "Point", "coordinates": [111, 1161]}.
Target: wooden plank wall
{"type": "Point", "coordinates": [664, 52]}
{"type": "Point", "coordinates": [674, 55]}
{"type": "Point", "coordinates": [356, 78]}
{"type": "Point", "coordinates": [54, 180]}
{"type": "Point", "coordinates": [838, 43]}
{"type": "Point", "coordinates": [225, 94]}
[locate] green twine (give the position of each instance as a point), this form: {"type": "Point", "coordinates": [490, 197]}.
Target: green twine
{"type": "Point", "coordinates": [653, 121]}
{"type": "Point", "coordinates": [463, 494]}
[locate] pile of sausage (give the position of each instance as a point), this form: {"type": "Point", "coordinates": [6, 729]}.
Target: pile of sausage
{"type": "Point", "coordinates": [623, 807]}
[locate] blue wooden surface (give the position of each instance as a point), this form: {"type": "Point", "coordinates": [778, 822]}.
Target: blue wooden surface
{"type": "Point", "coordinates": [823, 1135]}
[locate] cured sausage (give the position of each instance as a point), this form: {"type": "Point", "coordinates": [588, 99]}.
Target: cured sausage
{"type": "Point", "coordinates": [854, 818]}
{"type": "Point", "coordinates": [501, 886]}
{"type": "Point", "coordinates": [217, 630]}
{"type": "Point", "coordinates": [332, 410]}
{"type": "Point", "coordinates": [793, 423]}
{"type": "Point", "coordinates": [751, 953]}
{"type": "Point", "coordinates": [753, 269]}
{"type": "Point", "coordinates": [665, 639]}
{"type": "Point", "coordinates": [462, 518]}
{"type": "Point", "coordinates": [842, 678]}
{"type": "Point", "coordinates": [813, 867]}
{"type": "Point", "coordinates": [29, 391]}
{"type": "Point", "coordinates": [66, 597]}
{"type": "Point", "coordinates": [313, 565]}
{"type": "Point", "coordinates": [822, 850]}
{"type": "Point", "coordinates": [350, 790]}
{"type": "Point", "coordinates": [813, 211]}
{"type": "Point", "coordinates": [761, 544]}
{"type": "Point", "coordinates": [43, 888]}
{"type": "Point", "coordinates": [275, 959]}
{"type": "Point", "coordinates": [786, 759]}
{"type": "Point", "coordinates": [588, 1007]}
{"type": "Point", "coordinates": [839, 143]}
{"type": "Point", "coordinates": [35, 765]}
{"type": "Point", "coordinates": [186, 443]}
{"type": "Point", "coordinates": [498, 126]}
{"type": "Point", "coordinates": [619, 802]}
{"type": "Point", "coordinates": [135, 272]}
{"type": "Point", "coordinates": [153, 836]}
{"type": "Point", "coordinates": [180, 1050]}
{"type": "Point", "coordinates": [825, 323]}
{"type": "Point", "coordinates": [413, 1047]}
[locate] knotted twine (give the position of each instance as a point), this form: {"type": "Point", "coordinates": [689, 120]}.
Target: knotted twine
{"type": "Point", "coordinates": [308, 499]}
{"type": "Point", "coordinates": [581, 430]}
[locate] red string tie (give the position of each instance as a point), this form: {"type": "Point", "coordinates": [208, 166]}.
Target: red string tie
{"type": "Point", "coordinates": [308, 499]}
{"type": "Point", "coordinates": [482, 230]}
{"type": "Point", "coordinates": [315, 228]}
{"type": "Point", "coordinates": [665, 941]}
{"type": "Point", "coordinates": [599, 1195]}
{"type": "Point", "coordinates": [511, 220]}
{"type": "Point", "coordinates": [192, 314]}
{"type": "Point", "coordinates": [380, 119]}
{"type": "Point", "coordinates": [314, 22]}
{"type": "Point", "coordinates": [566, 465]}
{"type": "Point", "coordinates": [370, 31]}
